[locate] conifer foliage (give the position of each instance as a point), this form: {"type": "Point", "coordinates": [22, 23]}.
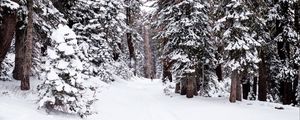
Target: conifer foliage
{"type": "Point", "coordinates": [185, 40]}
{"type": "Point", "coordinates": [65, 88]}
{"type": "Point", "coordinates": [247, 49]}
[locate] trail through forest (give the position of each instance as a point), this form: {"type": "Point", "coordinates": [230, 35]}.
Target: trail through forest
{"type": "Point", "coordinates": [144, 99]}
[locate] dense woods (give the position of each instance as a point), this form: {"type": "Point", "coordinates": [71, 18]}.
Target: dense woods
{"type": "Point", "coordinates": [247, 48]}
{"type": "Point", "coordinates": [254, 43]}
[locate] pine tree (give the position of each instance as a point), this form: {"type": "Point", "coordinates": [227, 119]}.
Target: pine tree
{"type": "Point", "coordinates": [185, 40]}
{"type": "Point", "coordinates": [283, 32]}
{"type": "Point", "coordinates": [64, 88]}
{"type": "Point", "coordinates": [100, 27]}
{"type": "Point", "coordinates": [235, 25]}
{"type": "Point", "coordinates": [259, 9]}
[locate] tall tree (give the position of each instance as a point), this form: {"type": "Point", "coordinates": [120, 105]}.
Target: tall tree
{"type": "Point", "coordinates": [283, 32]}
{"type": "Point", "coordinates": [129, 22]}
{"type": "Point", "coordinates": [101, 29]}
{"type": "Point", "coordinates": [260, 9]}
{"type": "Point", "coordinates": [65, 87]}
{"type": "Point", "coordinates": [240, 45]}
{"type": "Point", "coordinates": [149, 64]}
{"type": "Point", "coordinates": [185, 41]}
{"type": "Point", "coordinates": [20, 38]}
{"type": "Point", "coordinates": [25, 85]}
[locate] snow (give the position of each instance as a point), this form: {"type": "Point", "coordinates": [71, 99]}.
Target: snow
{"type": "Point", "coordinates": [68, 50]}
{"type": "Point", "coordinates": [148, 6]}
{"type": "Point", "coordinates": [143, 99]}
{"type": "Point", "coordinates": [52, 54]}
{"type": "Point", "coordinates": [52, 75]}
{"type": "Point", "coordinates": [9, 4]}
{"type": "Point", "coordinates": [62, 32]}
{"type": "Point", "coordinates": [183, 58]}
{"type": "Point", "coordinates": [62, 64]}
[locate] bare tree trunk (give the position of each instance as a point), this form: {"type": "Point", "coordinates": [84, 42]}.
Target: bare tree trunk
{"type": "Point", "coordinates": [19, 48]}
{"type": "Point", "coordinates": [148, 54]}
{"type": "Point", "coordinates": [232, 97]}
{"type": "Point", "coordinates": [25, 85]}
{"type": "Point", "coordinates": [262, 82]}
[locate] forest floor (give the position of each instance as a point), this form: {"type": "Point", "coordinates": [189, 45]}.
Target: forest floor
{"type": "Point", "coordinates": [144, 99]}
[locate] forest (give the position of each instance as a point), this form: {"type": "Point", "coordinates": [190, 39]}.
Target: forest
{"type": "Point", "coordinates": [63, 53]}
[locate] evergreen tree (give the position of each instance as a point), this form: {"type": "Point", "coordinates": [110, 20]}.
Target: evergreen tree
{"type": "Point", "coordinates": [64, 88]}
{"type": "Point", "coordinates": [185, 39]}
{"type": "Point", "coordinates": [100, 26]}
{"type": "Point", "coordinates": [240, 44]}
{"type": "Point", "coordinates": [283, 32]}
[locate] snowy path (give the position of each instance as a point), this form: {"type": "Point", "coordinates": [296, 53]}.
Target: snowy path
{"type": "Point", "coordinates": [144, 100]}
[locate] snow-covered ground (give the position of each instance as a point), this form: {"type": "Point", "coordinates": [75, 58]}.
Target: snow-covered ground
{"type": "Point", "coordinates": [143, 99]}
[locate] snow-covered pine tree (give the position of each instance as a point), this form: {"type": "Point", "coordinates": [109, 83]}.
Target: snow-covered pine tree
{"type": "Point", "coordinates": [100, 26]}
{"type": "Point", "coordinates": [262, 35]}
{"type": "Point", "coordinates": [64, 88]}
{"type": "Point", "coordinates": [235, 24]}
{"type": "Point", "coordinates": [281, 20]}
{"type": "Point", "coordinates": [46, 18]}
{"type": "Point", "coordinates": [185, 41]}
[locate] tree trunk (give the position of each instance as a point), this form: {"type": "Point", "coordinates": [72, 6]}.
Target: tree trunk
{"type": "Point", "coordinates": [219, 72]}
{"type": "Point", "coordinates": [232, 97]}
{"type": "Point", "coordinates": [254, 88]}
{"type": "Point", "coordinates": [177, 87]}
{"type": "Point", "coordinates": [297, 67]}
{"type": "Point", "coordinates": [190, 89]}
{"type": "Point", "coordinates": [238, 89]}
{"type": "Point", "coordinates": [297, 16]}
{"type": "Point", "coordinates": [129, 22]}
{"type": "Point", "coordinates": [295, 86]}
{"type": "Point", "coordinates": [287, 90]}
{"type": "Point", "coordinates": [7, 30]}
{"type": "Point", "coordinates": [262, 82]}
{"type": "Point", "coordinates": [183, 89]}
{"type": "Point", "coordinates": [25, 85]}
{"type": "Point", "coordinates": [246, 90]}
{"type": "Point", "coordinates": [148, 54]}
{"type": "Point", "coordinates": [19, 48]}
